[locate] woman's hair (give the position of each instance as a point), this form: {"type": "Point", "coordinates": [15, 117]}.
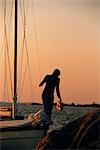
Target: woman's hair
{"type": "Point", "coordinates": [56, 72]}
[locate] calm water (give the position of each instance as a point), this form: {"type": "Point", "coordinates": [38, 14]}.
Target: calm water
{"type": "Point", "coordinates": [59, 118]}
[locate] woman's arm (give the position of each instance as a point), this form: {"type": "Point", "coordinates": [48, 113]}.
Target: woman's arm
{"type": "Point", "coordinates": [58, 90]}
{"type": "Point", "coordinates": [43, 81]}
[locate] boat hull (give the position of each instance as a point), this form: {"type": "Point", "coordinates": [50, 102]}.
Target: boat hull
{"type": "Point", "coordinates": [22, 139]}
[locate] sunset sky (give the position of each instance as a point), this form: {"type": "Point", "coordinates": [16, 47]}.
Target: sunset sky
{"type": "Point", "coordinates": [63, 34]}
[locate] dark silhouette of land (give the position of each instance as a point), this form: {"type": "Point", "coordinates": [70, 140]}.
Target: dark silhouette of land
{"type": "Point", "coordinates": [81, 105]}
{"type": "Point", "coordinates": [64, 104]}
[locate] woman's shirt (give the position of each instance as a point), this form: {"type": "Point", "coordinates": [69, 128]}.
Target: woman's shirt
{"type": "Point", "coordinates": [52, 82]}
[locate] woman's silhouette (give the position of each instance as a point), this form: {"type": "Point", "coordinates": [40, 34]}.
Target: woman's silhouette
{"type": "Point", "coordinates": [51, 82]}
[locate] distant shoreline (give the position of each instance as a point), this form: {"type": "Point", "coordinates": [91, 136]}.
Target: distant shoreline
{"type": "Point", "coordinates": [64, 104]}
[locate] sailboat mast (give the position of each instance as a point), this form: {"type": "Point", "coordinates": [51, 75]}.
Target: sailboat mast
{"type": "Point", "coordinates": [15, 61]}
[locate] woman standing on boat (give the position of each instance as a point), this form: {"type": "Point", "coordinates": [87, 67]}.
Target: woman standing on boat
{"type": "Point", "coordinates": [51, 82]}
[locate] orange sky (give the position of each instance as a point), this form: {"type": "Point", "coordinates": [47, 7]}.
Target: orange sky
{"type": "Point", "coordinates": [68, 34]}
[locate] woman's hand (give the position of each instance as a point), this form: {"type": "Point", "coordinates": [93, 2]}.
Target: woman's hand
{"type": "Point", "coordinates": [59, 105]}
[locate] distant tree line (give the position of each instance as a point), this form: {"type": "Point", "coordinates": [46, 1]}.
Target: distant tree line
{"type": "Point", "coordinates": [75, 105]}
{"type": "Point", "coordinates": [64, 104]}
{"type": "Point", "coordinates": [81, 105]}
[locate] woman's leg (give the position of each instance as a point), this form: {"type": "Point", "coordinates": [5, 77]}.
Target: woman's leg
{"type": "Point", "coordinates": [48, 105]}
{"type": "Point", "coordinates": [50, 108]}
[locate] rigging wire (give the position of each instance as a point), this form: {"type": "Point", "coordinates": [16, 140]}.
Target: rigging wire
{"type": "Point", "coordinates": [29, 69]}
{"type": "Point", "coordinates": [8, 98]}
{"type": "Point", "coordinates": [21, 83]}
{"type": "Point", "coordinates": [27, 54]}
{"type": "Point", "coordinates": [36, 39]}
{"type": "Point", "coordinates": [5, 58]}
{"type": "Point", "coordinates": [21, 90]}
{"type": "Point", "coordinates": [9, 27]}
{"type": "Point", "coordinates": [9, 63]}
{"type": "Point", "coordinates": [22, 50]}
{"type": "Point", "coordinates": [5, 75]}
{"type": "Point", "coordinates": [6, 43]}
{"type": "Point", "coordinates": [9, 15]}
{"type": "Point", "coordinates": [21, 56]}
{"type": "Point", "coordinates": [6, 91]}
{"type": "Point", "coordinates": [25, 44]}
{"type": "Point", "coordinates": [26, 49]}
{"type": "Point", "coordinates": [2, 47]}
{"type": "Point", "coordinates": [5, 64]}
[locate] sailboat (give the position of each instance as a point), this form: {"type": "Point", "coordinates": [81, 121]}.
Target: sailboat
{"type": "Point", "coordinates": [17, 132]}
